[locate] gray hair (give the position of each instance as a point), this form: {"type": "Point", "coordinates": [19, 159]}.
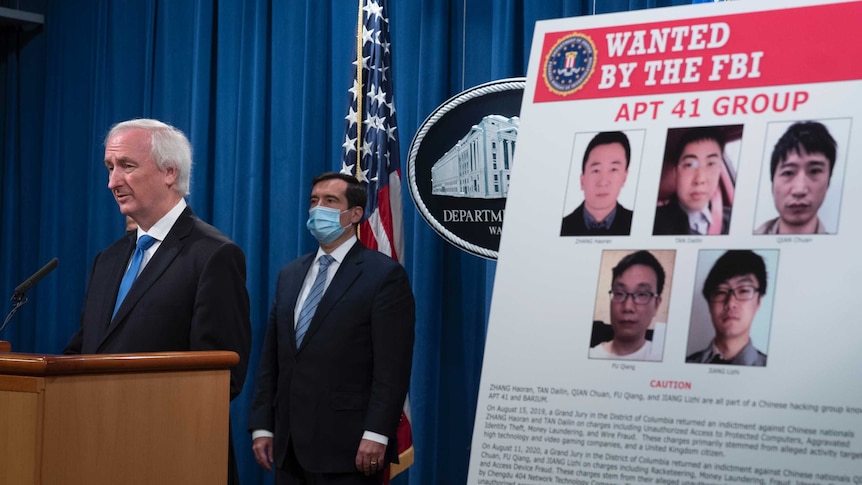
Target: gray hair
{"type": "Point", "coordinates": [169, 147]}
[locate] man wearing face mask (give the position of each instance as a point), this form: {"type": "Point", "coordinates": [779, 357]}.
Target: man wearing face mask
{"type": "Point", "coordinates": [335, 364]}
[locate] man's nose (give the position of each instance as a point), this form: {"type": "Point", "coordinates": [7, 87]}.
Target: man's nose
{"type": "Point", "coordinates": [799, 184]}
{"type": "Point", "coordinates": [731, 303]}
{"type": "Point", "coordinates": [115, 178]}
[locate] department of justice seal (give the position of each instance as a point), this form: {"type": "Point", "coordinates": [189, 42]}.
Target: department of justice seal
{"type": "Point", "coordinates": [460, 162]}
{"type": "Point", "coordinates": [569, 64]}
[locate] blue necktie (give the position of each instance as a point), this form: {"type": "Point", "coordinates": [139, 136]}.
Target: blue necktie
{"type": "Point", "coordinates": [313, 299]}
{"type": "Point", "coordinates": [144, 243]}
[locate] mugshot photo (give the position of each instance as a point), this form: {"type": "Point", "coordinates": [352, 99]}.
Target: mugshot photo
{"type": "Point", "coordinates": [696, 189]}
{"type": "Point", "coordinates": [731, 310]}
{"type": "Point", "coordinates": [802, 177]}
{"type": "Point", "coordinates": [600, 193]}
{"type": "Point", "coordinates": [632, 300]}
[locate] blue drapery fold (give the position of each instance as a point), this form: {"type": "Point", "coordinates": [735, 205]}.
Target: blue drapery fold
{"type": "Point", "coordinates": [260, 87]}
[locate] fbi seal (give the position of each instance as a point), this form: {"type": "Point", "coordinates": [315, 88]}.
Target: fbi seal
{"type": "Point", "coordinates": [569, 64]}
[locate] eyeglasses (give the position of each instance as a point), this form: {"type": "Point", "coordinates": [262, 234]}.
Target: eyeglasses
{"type": "Point", "coordinates": [742, 293]}
{"type": "Point", "coordinates": [639, 297]}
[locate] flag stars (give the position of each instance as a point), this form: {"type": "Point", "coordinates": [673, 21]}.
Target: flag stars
{"type": "Point", "coordinates": [349, 144]}
{"type": "Point", "coordinates": [370, 135]}
{"type": "Point", "coordinates": [351, 117]}
{"type": "Point", "coordinates": [391, 107]}
{"type": "Point", "coordinates": [382, 70]}
{"type": "Point", "coordinates": [373, 8]}
{"type": "Point", "coordinates": [375, 122]}
{"type": "Point", "coordinates": [372, 36]}
{"type": "Point", "coordinates": [390, 132]}
{"type": "Point", "coordinates": [364, 64]}
{"type": "Point", "coordinates": [347, 169]}
{"type": "Point", "coordinates": [362, 176]}
{"type": "Point", "coordinates": [379, 96]}
{"type": "Point", "coordinates": [375, 94]}
{"type": "Point", "coordinates": [354, 90]}
{"type": "Point", "coordinates": [366, 149]}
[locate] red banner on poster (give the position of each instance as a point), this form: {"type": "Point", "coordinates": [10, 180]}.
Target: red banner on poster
{"type": "Point", "coordinates": [747, 50]}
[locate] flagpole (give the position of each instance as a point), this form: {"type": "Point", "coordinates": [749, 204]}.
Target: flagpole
{"type": "Point", "coordinates": [359, 98]}
{"type": "Point", "coordinates": [359, 90]}
{"type": "Point", "coordinates": [382, 176]}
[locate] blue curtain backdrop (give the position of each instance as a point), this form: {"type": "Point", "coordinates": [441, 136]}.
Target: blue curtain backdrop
{"type": "Point", "coordinates": [260, 87]}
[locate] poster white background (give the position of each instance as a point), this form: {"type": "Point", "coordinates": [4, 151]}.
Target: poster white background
{"type": "Point", "coordinates": [537, 380]}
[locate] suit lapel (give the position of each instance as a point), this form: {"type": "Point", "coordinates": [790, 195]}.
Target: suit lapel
{"type": "Point", "coordinates": [348, 272]}
{"type": "Point", "coordinates": [165, 255]}
{"type": "Point", "coordinates": [118, 261]}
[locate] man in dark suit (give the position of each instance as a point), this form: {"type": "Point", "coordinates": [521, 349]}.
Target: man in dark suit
{"type": "Point", "coordinates": [335, 368]}
{"type": "Point", "coordinates": [189, 293]}
{"type": "Point", "coordinates": [698, 162]}
{"type": "Point", "coordinates": [603, 173]}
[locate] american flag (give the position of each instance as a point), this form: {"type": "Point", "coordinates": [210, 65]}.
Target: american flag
{"type": "Point", "coordinates": [371, 153]}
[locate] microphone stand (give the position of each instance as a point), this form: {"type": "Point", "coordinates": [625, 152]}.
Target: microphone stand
{"type": "Point", "coordinates": [18, 300]}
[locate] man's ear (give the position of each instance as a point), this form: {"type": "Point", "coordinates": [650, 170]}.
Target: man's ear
{"type": "Point", "coordinates": [170, 172]}
{"type": "Point", "coordinates": [356, 214]}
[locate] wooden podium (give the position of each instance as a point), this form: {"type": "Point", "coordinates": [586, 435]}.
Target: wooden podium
{"type": "Point", "coordinates": [148, 418]}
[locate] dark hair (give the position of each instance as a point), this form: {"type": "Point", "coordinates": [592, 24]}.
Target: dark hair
{"type": "Point", "coordinates": [644, 258]}
{"type": "Point", "coordinates": [607, 138]}
{"type": "Point", "coordinates": [354, 193]}
{"type": "Point", "coordinates": [812, 136]}
{"type": "Point", "coordinates": [736, 262]}
{"type": "Point", "coordinates": [695, 135]}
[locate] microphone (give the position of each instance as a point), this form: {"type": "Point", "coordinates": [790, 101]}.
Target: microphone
{"type": "Point", "coordinates": [18, 298]}
{"type": "Point", "coordinates": [38, 275]}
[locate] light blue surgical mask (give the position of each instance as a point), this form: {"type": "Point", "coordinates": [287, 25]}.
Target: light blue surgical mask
{"type": "Point", "coordinates": [324, 223]}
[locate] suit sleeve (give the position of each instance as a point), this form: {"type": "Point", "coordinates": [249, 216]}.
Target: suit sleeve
{"type": "Point", "coordinates": [393, 319]}
{"type": "Point", "coordinates": [220, 317]}
{"type": "Point", "coordinates": [75, 344]}
{"type": "Point", "coordinates": [262, 412]}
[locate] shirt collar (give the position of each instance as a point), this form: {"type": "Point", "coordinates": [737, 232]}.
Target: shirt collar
{"type": "Point", "coordinates": [701, 219]}
{"type": "Point", "coordinates": [746, 356]}
{"type": "Point", "coordinates": [338, 253]}
{"type": "Point", "coordinates": [591, 222]}
{"type": "Point", "coordinates": [163, 226]}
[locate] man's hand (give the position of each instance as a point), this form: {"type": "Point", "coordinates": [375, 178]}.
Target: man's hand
{"type": "Point", "coordinates": [369, 457]}
{"type": "Point", "coordinates": [263, 452]}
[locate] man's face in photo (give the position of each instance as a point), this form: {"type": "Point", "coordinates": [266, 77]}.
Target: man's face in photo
{"type": "Point", "coordinates": [630, 320]}
{"type": "Point", "coordinates": [799, 186]}
{"type": "Point", "coordinates": [733, 305]}
{"type": "Point", "coordinates": [604, 175]}
{"type": "Point", "coordinates": [697, 173]}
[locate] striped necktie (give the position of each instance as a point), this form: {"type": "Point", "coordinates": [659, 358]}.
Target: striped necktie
{"type": "Point", "coordinates": [313, 299]}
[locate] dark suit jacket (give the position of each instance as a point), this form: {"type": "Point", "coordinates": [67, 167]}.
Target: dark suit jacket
{"type": "Point", "coordinates": [190, 296]}
{"type": "Point", "coordinates": [670, 219]}
{"type": "Point", "coordinates": [573, 224]}
{"type": "Point", "coordinates": [353, 369]}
